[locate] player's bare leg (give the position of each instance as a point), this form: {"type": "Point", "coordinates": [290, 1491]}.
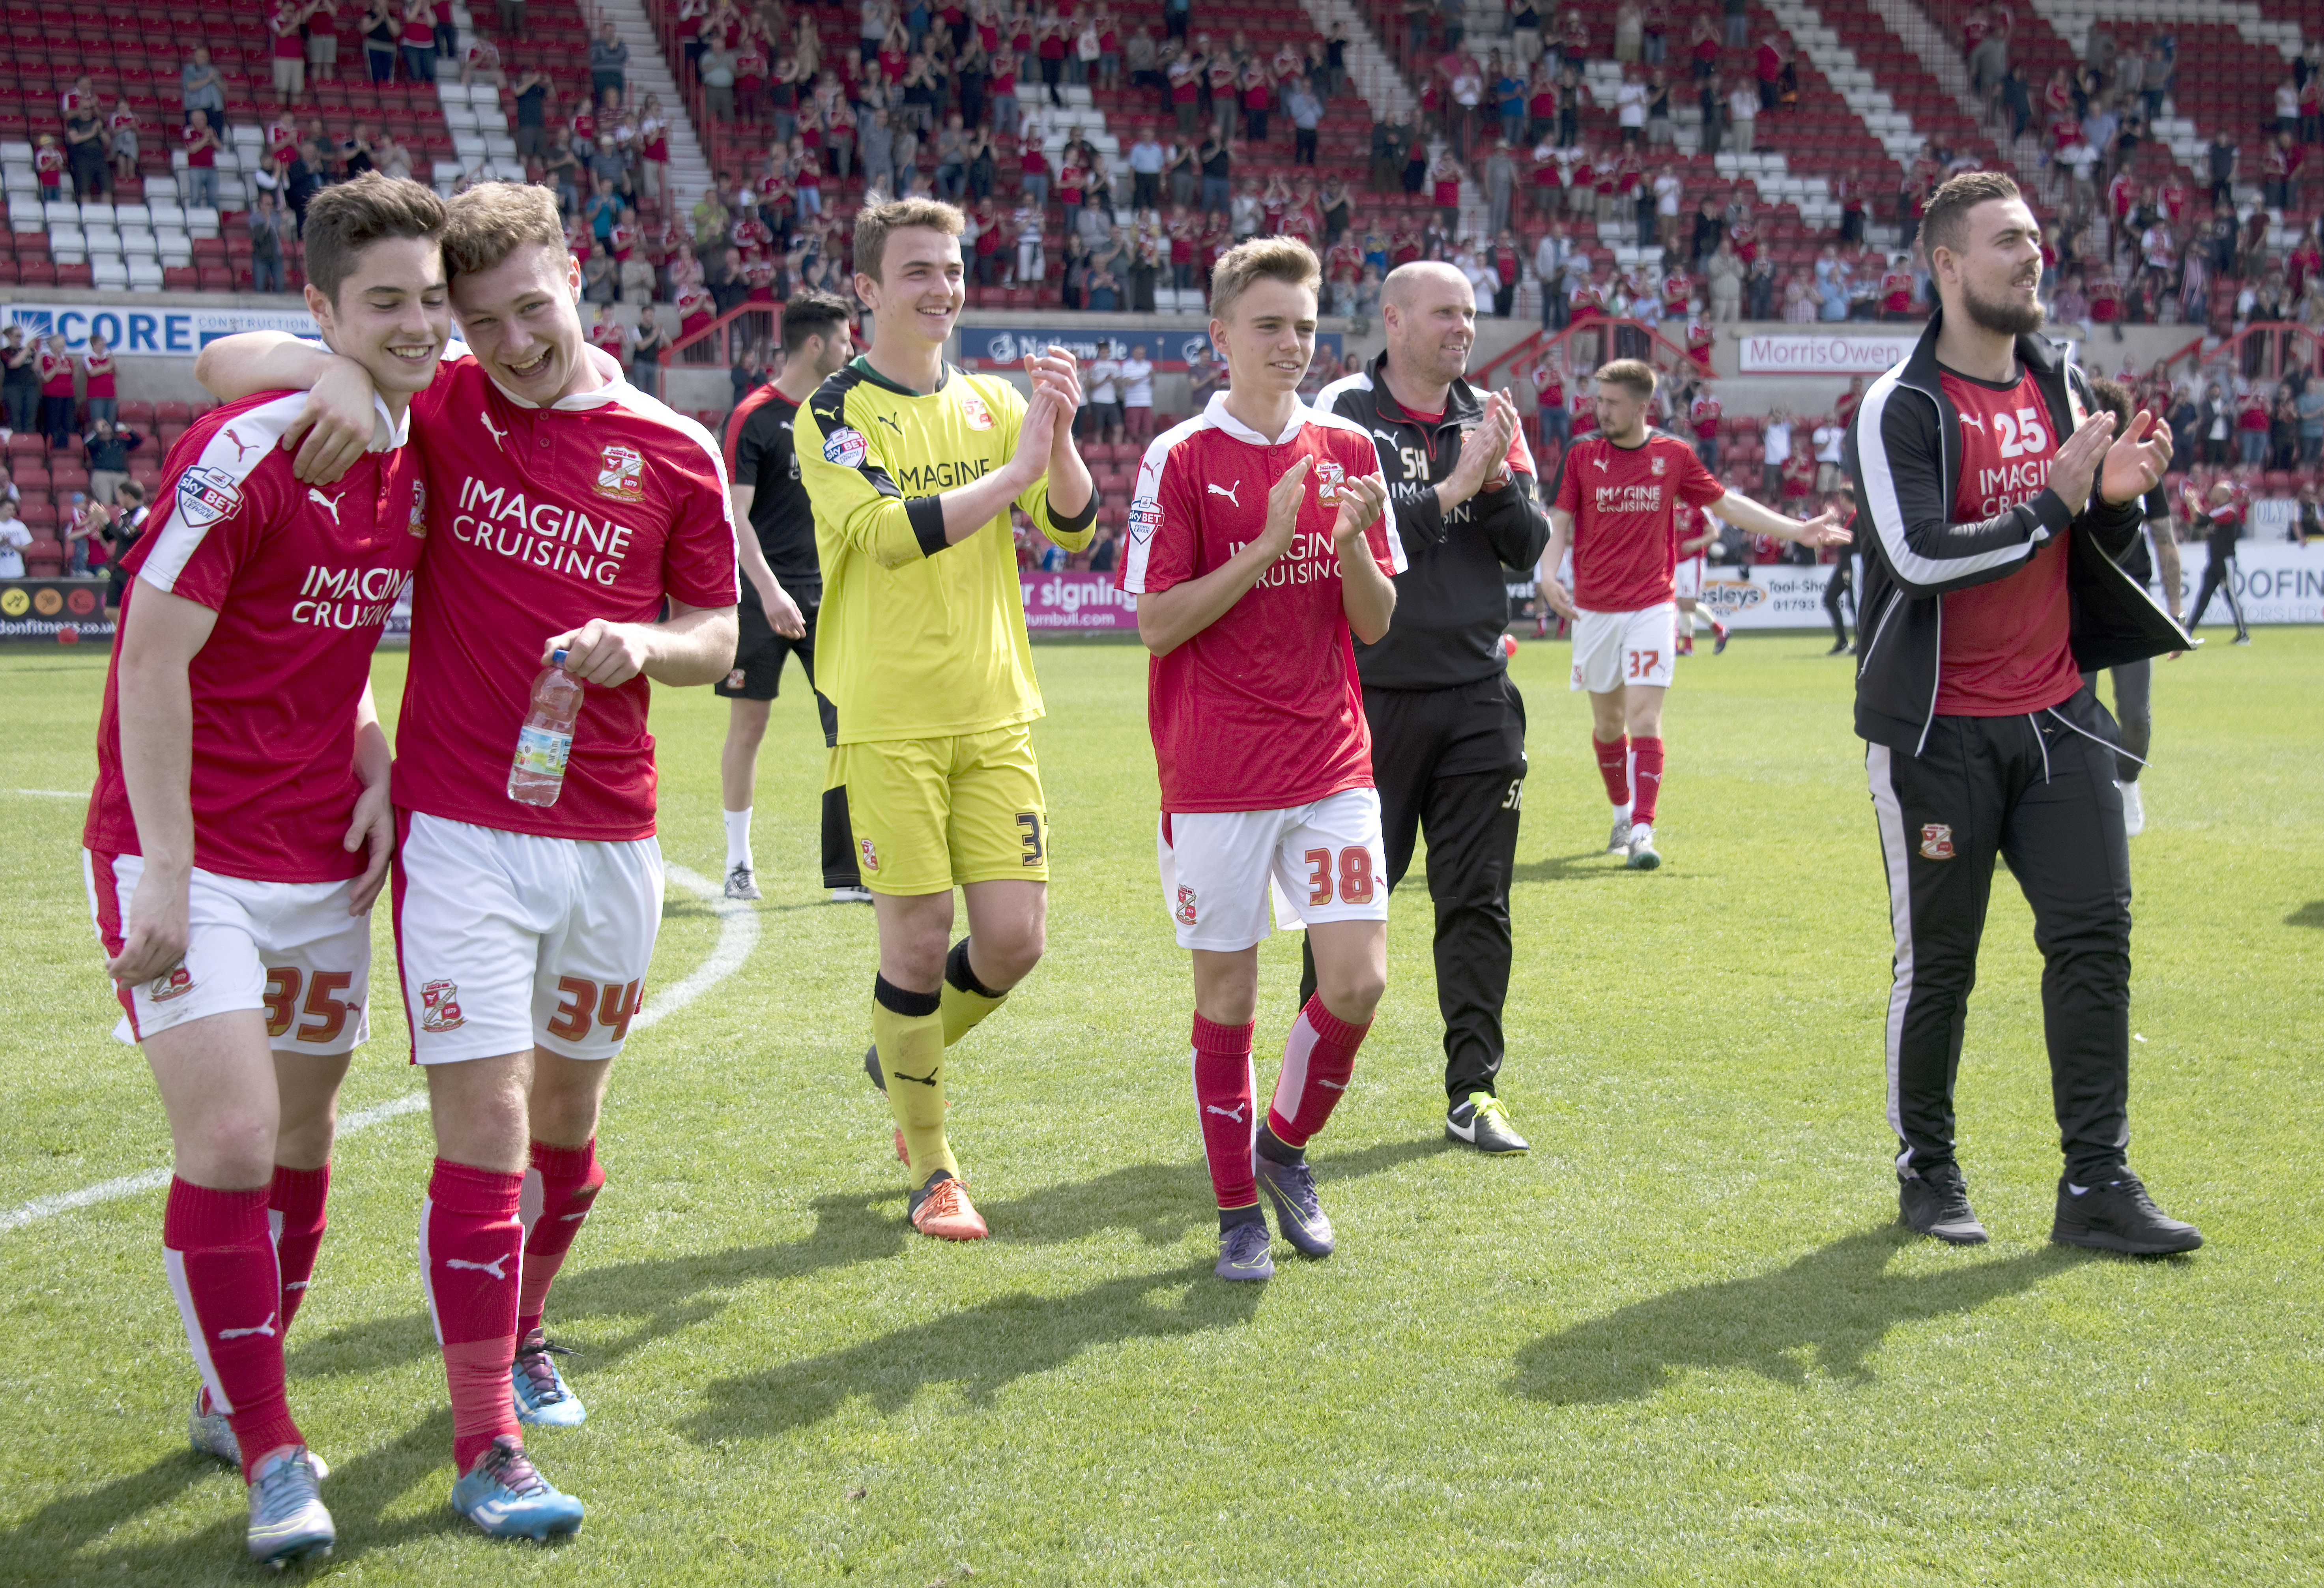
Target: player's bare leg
{"type": "Point", "coordinates": [738, 777]}
{"type": "Point", "coordinates": [216, 1077]}
{"type": "Point", "coordinates": [930, 994]}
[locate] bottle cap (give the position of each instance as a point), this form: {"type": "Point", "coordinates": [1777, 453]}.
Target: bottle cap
{"type": "Point", "coordinates": [556, 657]}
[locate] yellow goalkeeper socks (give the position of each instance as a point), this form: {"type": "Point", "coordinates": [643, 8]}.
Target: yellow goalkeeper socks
{"type": "Point", "coordinates": [966, 1000]}
{"type": "Point", "coordinates": [910, 1034]}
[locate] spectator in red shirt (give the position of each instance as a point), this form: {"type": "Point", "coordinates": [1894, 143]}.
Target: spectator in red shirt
{"type": "Point", "coordinates": [289, 50]}
{"type": "Point", "coordinates": [56, 392]}
{"type": "Point", "coordinates": [201, 145]}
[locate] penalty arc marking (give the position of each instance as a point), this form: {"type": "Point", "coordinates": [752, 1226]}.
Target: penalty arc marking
{"type": "Point", "coordinates": [738, 935]}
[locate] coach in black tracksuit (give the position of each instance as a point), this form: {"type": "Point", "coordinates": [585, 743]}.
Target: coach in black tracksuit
{"type": "Point", "coordinates": [1982, 739]}
{"type": "Point", "coordinates": [1447, 726]}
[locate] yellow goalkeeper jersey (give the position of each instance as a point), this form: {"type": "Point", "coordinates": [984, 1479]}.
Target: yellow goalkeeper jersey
{"type": "Point", "coordinates": [918, 639]}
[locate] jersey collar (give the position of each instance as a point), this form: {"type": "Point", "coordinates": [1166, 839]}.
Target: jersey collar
{"type": "Point", "coordinates": [863, 366]}
{"type": "Point", "coordinates": [388, 432]}
{"type": "Point", "coordinates": [1216, 414]}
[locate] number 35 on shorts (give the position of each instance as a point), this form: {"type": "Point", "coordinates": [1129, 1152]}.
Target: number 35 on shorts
{"type": "Point", "coordinates": [1033, 830]}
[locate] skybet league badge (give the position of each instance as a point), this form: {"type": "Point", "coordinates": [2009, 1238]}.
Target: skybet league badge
{"type": "Point", "coordinates": [845, 447]}
{"type": "Point", "coordinates": [622, 473]}
{"type": "Point", "coordinates": [1145, 518]}
{"type": "Point", "coordinates": [1936, 841]}
{"type": "Point", "coordinates": [206, 494]}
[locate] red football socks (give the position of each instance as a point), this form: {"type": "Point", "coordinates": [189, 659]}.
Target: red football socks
{"type": "Point", "coordinates": [1224, 1098]}
{"type": "Point", "coordinates": [294, 1207]}
{"type": "Point", "coordinates": [221, 1262]}
{"type": "Point", "coordinates": [1318, 1057]}
{"type": "Point", "coordinates": [1648, 784]}
{"type": "Point", "coordinates": [471, 1254]}
{"type": "Point", "coordinates": [1614, 766]}
{"type": "Point", "coordinates": [558, 1192]}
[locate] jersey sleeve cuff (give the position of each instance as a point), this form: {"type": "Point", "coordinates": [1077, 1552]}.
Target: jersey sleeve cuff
{"type": "Point", "coordinates": [926, 515]}
{"type": "Point", "coordinates": [1076, 523]}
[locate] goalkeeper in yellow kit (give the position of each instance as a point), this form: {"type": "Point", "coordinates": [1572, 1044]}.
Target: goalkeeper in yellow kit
{"type": "Point", "coordinates": [912, 465]}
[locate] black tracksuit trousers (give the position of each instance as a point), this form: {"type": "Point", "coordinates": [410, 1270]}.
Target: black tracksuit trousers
{"type": "Point", "coordinates": [1450, 765]}
{"type": "Point", "coordinates": [2040, 797]}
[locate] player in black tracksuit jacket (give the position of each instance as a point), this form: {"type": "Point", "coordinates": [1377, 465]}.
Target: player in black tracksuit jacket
{"type": "Point", "coordinates": [1447, 726]}
{"type": "Point", "coordinates": [1952, 791]}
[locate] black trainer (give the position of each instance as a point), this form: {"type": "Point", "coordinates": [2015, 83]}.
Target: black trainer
{"type": "Point", "coordinates": [2119, 1215]}
{"type": "Point", "coordinates": [1480, 1121]}
{"type": "Point", "coordinates": [1936, 1202]}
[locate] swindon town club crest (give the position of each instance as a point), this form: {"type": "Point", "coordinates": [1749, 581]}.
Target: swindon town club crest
{"type": "Point", "coordinates": [871, 854]}
{"type": "Point", "coordinates": [622, 473]}
{"type": "Point", "coordinates": [972, 410]}
{"type": "Point", "coordinates": [418, 525]}
{"type": "Point", "coordinates": [174, 982]}
{"type": "Point", "coordinates": [1328, 475]}
{"type": "Point", "coordinates": [1186, 904]}
{"type": "Point", "coordinates": [1936, 841]}
{"type": "Point", "coordinates": [439, 1006]}
{"type": "Point", "coordinates": [1657, 464]}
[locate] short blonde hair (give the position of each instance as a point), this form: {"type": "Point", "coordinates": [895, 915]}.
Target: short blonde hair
{"type": "Point", "coordinates": [1262, 259]}
{"type": "Point", "coordinates": [873, 222]}
{"type": "Point", "coordinates": [1632, 374]}
{"type": "Point", "coordinates": [491, 220]}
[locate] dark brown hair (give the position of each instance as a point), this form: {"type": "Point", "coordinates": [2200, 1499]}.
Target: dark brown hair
{"type": "Point", "coordinates": [810, 314]}
{"type": "Point", "coordinates": [1635, 374]}
{"type": "Point", "coordinates": [347, 217]}
{"type": "Point", "coordinates": [1946, 223]}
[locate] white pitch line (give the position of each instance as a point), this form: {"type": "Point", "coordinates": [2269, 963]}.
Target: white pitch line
{"type": "Point", "coordinates": [53, 793]}
{"type": "Point", "coordinates": [738, 935]}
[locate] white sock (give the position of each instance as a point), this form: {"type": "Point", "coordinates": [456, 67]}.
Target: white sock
{"type": "Point", "coordinates": [738, 839]}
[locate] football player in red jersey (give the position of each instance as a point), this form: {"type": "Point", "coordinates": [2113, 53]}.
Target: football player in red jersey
{"type": "Point", "coordinates": [1256, 548]}
{"type": "Point", "coordinates": [240, 827]}
{"type": "Point", "coordinates": [1616, 504]}
{"type": "Point", "coordinates": [565, 507]}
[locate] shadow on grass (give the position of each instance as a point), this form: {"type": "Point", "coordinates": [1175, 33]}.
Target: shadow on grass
{"type": "Point", "coordinates": [1157, 1203]}
{"type": "Point", "coordinates": [1825, 1313]}
{"type": "Point", "coordinates": [66, 1536]}
{"type": "Point", "coordinates": [1561, 868]}
{"type": "Point", "coordinates": [982, 1348]}
{"type": "Point", "coordinates": [2310, 914]}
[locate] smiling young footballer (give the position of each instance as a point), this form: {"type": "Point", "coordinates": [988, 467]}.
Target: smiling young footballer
{"type": "Point", "coordinates": [913, 466]}
{"type": "Point", "coordinates": [564, 508]}
{"type": "Point", "coordinates": [242, 777]}
{"type": "Point", "coordinates": [1617, 504]}
{"type": "Point", "coordinates": [1256, 548]}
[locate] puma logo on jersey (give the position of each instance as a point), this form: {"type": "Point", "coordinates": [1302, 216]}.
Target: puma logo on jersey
{"type": "Point", "coordinates": [493, 1268]}
{"type": "Point", "coordinates": [320, 500]}
{"type": "Point", "coordinates": [1600, 462]}
{"type": "Point", "coordinates": [240, 446]}
{"type": "Point", "coordinates": [497, 434]}
{"type": "Point", "coordinates": [1226, 490]}
{"type": "Point", "coordinates": [1972, 422]}
{"type": "Point", "coordinates": [266, 1328]}
{"type": "Point", "coordinates": [1234, 1113]}
{"type": "Point", "coordinates": [890, 423]}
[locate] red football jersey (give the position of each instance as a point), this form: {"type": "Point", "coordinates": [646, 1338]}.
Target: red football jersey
{"type": "Point", "coordinates": [301, 578]}
{"type": "Point", "coordinates": [1262, 710]}
{"type": "Point", "coordinates": [542, 519]}
{"type": "Point", "coordinates": [2003, 650]}
{"type": "Point", "coordinates": [1624, 502]}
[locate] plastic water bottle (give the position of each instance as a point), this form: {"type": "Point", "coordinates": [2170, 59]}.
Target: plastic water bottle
{"type": "Point", "coordinates": [537, 775]}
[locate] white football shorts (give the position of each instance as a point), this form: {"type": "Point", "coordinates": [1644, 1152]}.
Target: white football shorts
{"type": "Point", "coordinates": [1616, 648]}
{"type": "Point", "coordinates": [506, 940]}
{"type": "Point", "coordinates": [1689, 577]}
{"type": "Point", "coordinates": [290, 948]}
{"type": "Point", "coordinates": [1322, 862]}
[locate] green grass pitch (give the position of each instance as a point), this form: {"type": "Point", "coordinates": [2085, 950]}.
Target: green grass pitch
{"type": "Point", "coordinates": [1681, 1342]}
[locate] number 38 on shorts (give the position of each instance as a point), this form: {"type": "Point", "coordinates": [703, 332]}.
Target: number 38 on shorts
{"type": "Point", "coordinates": [1316, 863]}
